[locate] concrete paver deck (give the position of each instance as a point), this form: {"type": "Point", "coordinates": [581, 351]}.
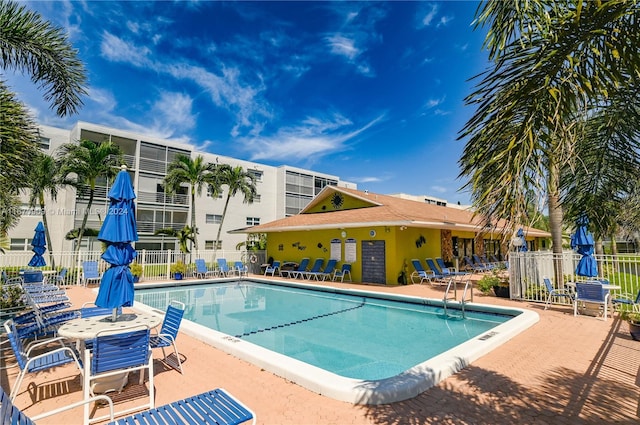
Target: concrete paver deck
{"type": "Point", "coordinates": [563, 370]}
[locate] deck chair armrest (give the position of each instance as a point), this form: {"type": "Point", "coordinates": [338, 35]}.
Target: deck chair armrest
{"type": "Point", "coordinates": [103, 398]}
{"type": "Point", "coordinates": [165, 337]}
{"type": "Point", "coordinates": [36, 344]}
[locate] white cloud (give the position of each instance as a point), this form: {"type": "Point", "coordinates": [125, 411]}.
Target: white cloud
{"type": "Point", "coordinates": [313, 138]}
{"type": "Point", "coordinates": [430, 15]}
{"type": "Point", "coordinates": [343, 46]}
{"type": "Point", "coordinates": [104, 98]}
{"type": "Point", "coordinates": [116, 49]}
{"type": "Point", "coordinates": [444, 21]}
{"type": "Point", "coordinates": [173, 112]}
{"type": "Point", "coordinates": [439, 189]}
{"type": "Point", "coordinates": [226, 89]}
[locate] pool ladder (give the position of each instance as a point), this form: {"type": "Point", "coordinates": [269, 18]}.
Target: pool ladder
{"type": "Point", "coordinates": [468, 291]}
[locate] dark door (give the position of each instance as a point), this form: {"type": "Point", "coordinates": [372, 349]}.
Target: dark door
{"type": "Point", "coordinates": [373, 262]}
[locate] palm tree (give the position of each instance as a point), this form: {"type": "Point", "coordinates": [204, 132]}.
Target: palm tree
{"type": "Point", "coordinates": [43, 179]}
{"type": "Point", "coordinates": [81, 166]}
{"type": "Point", "coordinates": [184, 235]}
{"type": "Point", "coordinates": [33, 45]}
{"type": "Point", "coordinates": [555, 65]}
{"type": "Point", "coordinates": [194, 172]}
{"type": "Point", "coordinates": [237, 179]}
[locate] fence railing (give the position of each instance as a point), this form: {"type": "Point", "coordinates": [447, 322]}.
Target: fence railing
{"type": "Point", "coordinates": [527, 270]}
{"type": "Point", "coordinates": [156, 265]}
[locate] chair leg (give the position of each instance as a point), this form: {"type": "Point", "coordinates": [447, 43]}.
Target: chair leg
{"type": "Point", "coordinates": [16, 386]}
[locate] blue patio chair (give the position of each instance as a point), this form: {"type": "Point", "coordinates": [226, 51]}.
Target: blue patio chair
{"type": "Point", "coordinates": [216, 406]}
{"type": "Point", "coordinates": [60, 277]}
{"type": "Point", "coordinates": [297, 273]}
{"type": "Point", "coordinates": [438, 275]}
{"type": "Point", "coordinates": [32, 276]}
{"type": "Point", "coordinates": [555, 292]}
{"type": "Point", "coordinates": [420, 273]}
{"type": "Point", "coordinates": [169, 331]}
{"type": "Point", "coordinates": [241, 268]}
{"type": "Point", "coordinates": [591, 293]}
{"type": "Point", "coordinates": [481, 264]}
{"type": "Point", "coordinates": [90, 273]}
{"type": "Point", "coordinates": [223, 267]}
{"type": "Point", "coordinates": [326, 273]}
{"type": "Point", "coordinates": [272, 269]}
{"type": "Point", "coordinates": [114, 354]}
{"type": "Point", "coordinates": [29, 363]}
{"type": "Point", "coordinates": [202, 271]}
{"type": "Point", "coordinates": [627, 299]}
{"type": "Point", "coordinates": [342, 273]}
{"type": "Point", "coordinates": [315, 268]}
{"type": "Point", "coordinates": [11, 281]}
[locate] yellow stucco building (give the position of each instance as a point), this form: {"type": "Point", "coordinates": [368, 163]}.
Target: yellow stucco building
{"type": "Point", "coordinates": [380, 234]}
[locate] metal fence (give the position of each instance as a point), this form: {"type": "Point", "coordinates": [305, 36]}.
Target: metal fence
{"type": "Point", "coordinates": [156, 265]}
{"type": "Point", "coordinates": [527, 269]}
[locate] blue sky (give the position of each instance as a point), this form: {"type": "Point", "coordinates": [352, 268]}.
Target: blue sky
{"type": "Point", "coordinates": [370, 92]}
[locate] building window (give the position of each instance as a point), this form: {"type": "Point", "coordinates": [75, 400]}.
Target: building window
{"type": "Point", "coordinates": [19, 244]}
{"type": "Point", "coordinates": [210, 244]}
{"type": "Point", "coordinates": [253, 221]}
{"type": "Point", "coordinates": [213, 219]}
{"type": "Point", "coordinates": [257, 175]}
{"type": "Point", "coordinates": [256, 199]}
{"type": "Point", "coordinates": [44, 143]}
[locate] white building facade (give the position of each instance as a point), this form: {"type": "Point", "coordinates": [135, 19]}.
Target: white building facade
{"type": "Point", "coordinates": [282, 191]}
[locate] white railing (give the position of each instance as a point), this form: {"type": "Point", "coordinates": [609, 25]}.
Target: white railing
{"type": "Point", "coordinates": [527, 269]}
{"type": "Point", "coordinates": [156, 265]}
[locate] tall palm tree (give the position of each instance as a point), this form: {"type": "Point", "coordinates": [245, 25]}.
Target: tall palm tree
{"type": "Point", "coordinates": [237, 179]}
{"type": "Point", "coordinates": [81, 166]}
{"type": "Point", "coordinates": [184, 235]}
{"type": "Point", "coordinates": [194, 172]}
{"type": "Point", "coordinates": [43, 179]}
{"type": "Point", "coordinates": [555, 63]}
{"type": "Point", "coordinates": [33, 45]}
{"type": "Point", "coordinates": [18, 147]}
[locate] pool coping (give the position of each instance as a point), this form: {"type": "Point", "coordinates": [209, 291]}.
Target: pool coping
{"type": "Point", "coordinates": [367, 392]}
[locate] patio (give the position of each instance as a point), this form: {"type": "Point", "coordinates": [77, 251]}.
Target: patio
{"type": "Point", "coordinates": [563, 370]}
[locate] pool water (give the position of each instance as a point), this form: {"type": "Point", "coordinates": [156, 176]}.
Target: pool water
{"type": "Point", "coordinates": [354, 336]}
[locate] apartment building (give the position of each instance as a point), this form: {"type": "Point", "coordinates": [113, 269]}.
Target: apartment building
{"type": "Point", "coordinates": [282, 191]}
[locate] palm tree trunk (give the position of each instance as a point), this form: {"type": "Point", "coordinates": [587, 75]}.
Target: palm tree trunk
{"type": "Point", "coordinates": [46, 231]}
{"type": "Point", "coordinates": [224, 213]}
{"type": "Point", "coordinates": [194, 244]}
{"type": "Point", "coordinates": [555, 221]}
{"type": "Point", "coordinates": [84, 222]}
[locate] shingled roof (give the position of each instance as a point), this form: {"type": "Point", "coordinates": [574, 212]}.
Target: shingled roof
{"type": "Point", "coordinates": [381, 210]}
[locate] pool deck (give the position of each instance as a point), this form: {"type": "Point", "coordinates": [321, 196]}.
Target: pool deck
{"type": "Point", "coordinates": [563, 370]}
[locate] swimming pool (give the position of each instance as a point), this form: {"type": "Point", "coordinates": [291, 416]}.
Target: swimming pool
{"type": "Point", "coordinates": [357, 346]}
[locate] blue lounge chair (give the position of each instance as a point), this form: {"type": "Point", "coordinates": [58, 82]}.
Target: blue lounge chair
{"type": "Point", "coordinates": [342, 273]}
{"type": "Point", "coordinates": [470, 265]}
{"type": "Point", "coordinates": [11, 281]}
{"type": "Point", "coordinates": [480, 263]}
{"type": "Point", "coordinates": [627, 299]}
{"type": "Point", "coordinates": [297, 273]}
{"type": "Point", "coordinates": [169, 331]}
{"type": "Point", "coordinates": [326, 272]}
{"type": "Point", "coordinates": [553, 292]}
{"type": "Point", "coordinates": [272, 269]}
{"type": "Point", "coordinates": [591, 293]}
{"type": "Point", "coordinates": [447, 271]}
{"type": "Point", "coordinates": [29, 363]}
{"type": "Point", "coordinates": [315, 268]}
{"type": "Point", "coordinates": [437, 274]}
{"type": "Point", "coordinates": [216, 406]}
{"type": "Point", "coordinates": [202, 271]}
{"type": "Point", "coordinates": [113, 354]}
{"type": "Point", "coordinates": [90, 273]}
{"type": "Point", "coordinates": [223, 267]}
{"type": "Point", "coordinates": [241, 269]}
{"type": "Point", "coordinates": [420, 273]}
